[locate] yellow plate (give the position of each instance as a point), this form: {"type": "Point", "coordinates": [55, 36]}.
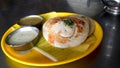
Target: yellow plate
{"type": "Point", "coordinates": [34, 58]}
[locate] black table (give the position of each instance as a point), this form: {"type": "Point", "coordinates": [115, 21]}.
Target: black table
{"type": "Point", "coordinates": [105, 56]}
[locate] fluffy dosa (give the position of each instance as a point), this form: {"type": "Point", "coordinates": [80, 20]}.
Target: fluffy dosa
{"type": "Point", "coordinates": [63, 35]}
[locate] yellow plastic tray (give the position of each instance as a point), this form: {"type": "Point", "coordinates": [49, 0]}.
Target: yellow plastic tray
{"type": "Point", "coordinates": [34, 58]}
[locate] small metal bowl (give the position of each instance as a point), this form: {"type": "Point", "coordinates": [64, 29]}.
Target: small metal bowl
{"type": "Point", "coordinates": [23, 38]}
{"type": "Point", "coordinates": [31, 20]}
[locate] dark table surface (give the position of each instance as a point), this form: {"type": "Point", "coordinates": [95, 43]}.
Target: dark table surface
{"type": "Point", "coordinates": [105, 56]}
